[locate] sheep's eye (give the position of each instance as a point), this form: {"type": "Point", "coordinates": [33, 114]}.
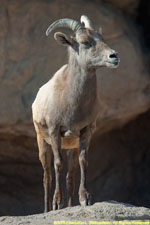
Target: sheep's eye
{"type": "Point", "coordinates": [86, 43]}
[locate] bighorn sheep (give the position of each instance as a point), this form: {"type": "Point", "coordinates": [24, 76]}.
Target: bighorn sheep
{"type": "Point", "coordinates": [66, 107]}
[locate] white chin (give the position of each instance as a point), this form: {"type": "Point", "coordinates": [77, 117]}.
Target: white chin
{"type": "Point", "coordinates": [112, 65]}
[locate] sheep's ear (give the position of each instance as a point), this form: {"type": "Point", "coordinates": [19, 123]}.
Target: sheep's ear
{"type": "Point", "coordinates": [63, 39]}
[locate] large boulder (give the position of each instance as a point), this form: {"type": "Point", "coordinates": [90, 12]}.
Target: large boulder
{"type": "Point", "coordinates": [29, 59]}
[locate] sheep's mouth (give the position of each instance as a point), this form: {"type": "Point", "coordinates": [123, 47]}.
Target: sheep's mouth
{"type": "Point", "coordinates": [113, 64]}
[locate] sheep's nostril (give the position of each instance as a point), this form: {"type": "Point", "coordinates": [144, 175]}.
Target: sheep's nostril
{"type": "Point", "coordinates": [113, 56]}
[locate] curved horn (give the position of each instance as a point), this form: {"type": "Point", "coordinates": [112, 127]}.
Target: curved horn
{"type": "Point", "coordinates": [66, 22]}
{"type": "Point", "coordinates": [88, 24]}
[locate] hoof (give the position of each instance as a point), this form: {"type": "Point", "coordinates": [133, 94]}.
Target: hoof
{"type": "Point", "coordinates": [57, 200]}
{"type": "Point", "coordinates": [85, 202]}
{"type": "Point", "coordinates": [89, 202]}
{"type": "Point", "coordinates": [84, 197]}
{"type": "Point", "coordinates": [60, 206]}
{"type": "Point", "coordinates": [54, 207]}
{"type": "Point", "coordinates": [57, 206]}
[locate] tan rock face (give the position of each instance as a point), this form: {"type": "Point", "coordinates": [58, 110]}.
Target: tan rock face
{"type": "Point", "coordinates": [28, 60]}
{"type": "Point", "coordinates": [127, 5]}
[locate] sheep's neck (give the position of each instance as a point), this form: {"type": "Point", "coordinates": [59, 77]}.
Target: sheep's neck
{"type": "Point", "coordinates": [82, 82]}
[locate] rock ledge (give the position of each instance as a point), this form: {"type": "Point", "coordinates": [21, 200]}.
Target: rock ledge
{"type": "Point", "coordinates": [104, 211]}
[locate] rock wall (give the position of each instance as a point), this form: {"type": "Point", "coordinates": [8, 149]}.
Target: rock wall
{"type": "Point", "coordinates": [129, 6]}
{"type": "Point", "coordinates": [28, 60]}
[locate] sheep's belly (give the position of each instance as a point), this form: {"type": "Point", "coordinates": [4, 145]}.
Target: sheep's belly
{"type": "Point", "coordinates": [69, 142]}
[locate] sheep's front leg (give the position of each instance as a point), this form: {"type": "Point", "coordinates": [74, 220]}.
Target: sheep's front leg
{"type": "Point", "coordinates": [85, 137]}
{"type": "Point", "coordinates": [56, 147]}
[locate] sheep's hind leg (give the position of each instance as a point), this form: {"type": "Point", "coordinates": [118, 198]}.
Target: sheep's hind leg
{"type": "Point", "coordinates": [72, 155]}
{"type": "Point", "coordinates": [56, 148]}
{"type": "Point", "coordinates": [45, 154]}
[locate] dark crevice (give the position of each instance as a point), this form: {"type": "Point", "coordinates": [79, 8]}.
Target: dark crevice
{"type": "Point", "coordinates": [143, 21]}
